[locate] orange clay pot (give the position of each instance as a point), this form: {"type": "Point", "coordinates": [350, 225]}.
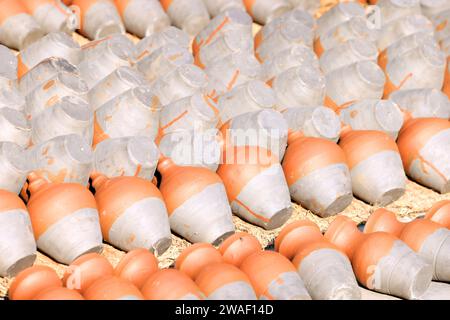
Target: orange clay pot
{"type": "Point", "coordinates": [375, 165]}
{"type": "Point", "coordinates": [112, 288]}
{"type": "Point", "coordinates": [274, 277]}
{"type": "Point", "coordinates": [195, 258]}
{"type": "Point", "coordinates": [171, 284]}
{"type": "Point", "coordinates": [238, 247]}
{"type": "Point", "coordinates": [85, 270]}
{"type": "Point", "coordinates": [440, 213]}
{"type": "Point", "coordinates": [423, 145]}
{"type": "Point", "coordinates": [58, 293]}
{"type": "Point", "coordinates": [64, 218]}
{"type": "Point", "coordinates": [223, 281]}
{"type": "Point", "coordinates": [132, 213]}
{"type": "Point", "coordinates": [32, 281]}
{"type": "Point", "coordinates": [197, 203]}
{"type": "Point", "coordinates": [137, 266]}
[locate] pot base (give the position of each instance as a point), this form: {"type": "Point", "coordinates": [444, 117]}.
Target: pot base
{"type": "Point", "coordinates": [222, 238]}
{"type": "Point", "coordinates": [338, 205]}
{"type": "Point", "coordinates": [389, 197]}
{"type": "Point", "coordinates": [20, 265]}
{"type": "Point", "coordinates": [161, 246]}
{"type": "Point", "coordinates": [279, 218]}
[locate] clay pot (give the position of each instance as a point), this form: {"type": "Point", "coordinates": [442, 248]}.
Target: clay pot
{"type": "Point", "coordinates": [171, 284]}
{"type": "Point", "coordinates": [132, 213]}
{"type": "Point", "coordinates": [112, 288]}
{"type": "Point", "coordinates": [440, 213]}
{"type": "Point", "coordinates": [17, 244]}
{"type": "Point", "coordinates": [429, 239]}
{"type": "Point", "coordinates": [196, 257]}
{"type": "Point", "coordinates": [64, 218]}
{"type": "Point", "coordinates": [256, 187]}
{"type": "Point", "coordinates": [381, 261]}
{"type": "Point", "coordinates": [423, 145]}
{"type": "Point", "coordinates": [375, 166]}
{"type": "Point", "coordinates": [274, 277]}
{"type": "Point", "coordinates": [196, 201]}
{"type": "Point", "coordinates": [239, 246]}
{"type": "Point", "coordinates": [58, 293]}
{"type": "Point", "coordinates": [85, 270]}
{"type": "Point", "coordinates": [317, 175]}
{"type": "Point", "coordinates": [32, 281]}
{"type": "Point", "coordinates": [222, 281]}
{"type": "Point", "coordinates": [303, 242]}
{"type": "Point", "coordinates": [137, 266]}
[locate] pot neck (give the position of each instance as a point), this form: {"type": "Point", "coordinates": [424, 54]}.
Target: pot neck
{"type": "Point", "coordinates": [166, 166]}
{"type": "Point", "coordinates": [344, 233]}
{"type": "Point", "coordinates": [36, 184]}
{"type": "Point", "coordinates": [295, 136]}
{"type": "Point", "coordinates": [98, 180]}
{"type": "Point", "coordinates": [384, 221]}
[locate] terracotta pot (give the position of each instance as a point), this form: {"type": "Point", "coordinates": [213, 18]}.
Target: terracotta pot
{"type": "Point", "coordinates": [17, 244]}
{"type": "Point", "coordinates": [14, 167]}
{"type": "Point", "coordinates": [58, 293]}
{"type": "Point", "coordinates": [375, 166]}
{"type": "Point", "coordinates": [64, 218]}
{"type": "Point", "coordinates": [440, 213]}
{"type": "Point", "coordinates": [256, 186]}
{"type": "Point", "coordinates": [303, 242]}
{"type": "Point", "coordinates": [137, 266]}
{"type": "Point", "coordinates": [274, 277]}
{"type": "Point", "coordinates": [171, 284]}
{"type": "Point", "coordinates": [429, 239]}
{"type": "Point", "coordinates": [188, 194]}
{"type": "Point", "coordinates": [196, 257]}
{"type": "Point", "coordinates": [317, 175]}
{"type": "Point", "coordinates": [32, 281]}
{"type": "Point", "coordinates": [338, 14]}
{"type": "Point", "coordinates": [191, 17]}
{"type": "Point", "coordinates": [132, 213]}
{"type": "Point", "coordinates": [85, 270]}
{"type": "Point", "coordinates": [239, 246]}
{"type": "Point", "coordinates": [381, 261]}
{"type": "Point", "coordinates": [222, 281]}
{"type": "Point", "coordinates": [263, 11]}
{"type": "Point", "coordinates": [424, 145]}
{"type": "Point", "coordinates": [112, 288]}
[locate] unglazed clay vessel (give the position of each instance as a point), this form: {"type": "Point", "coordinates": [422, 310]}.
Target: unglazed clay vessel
{"type": "Point", "coordinates": [32, 281]}
{"type": "Point", "coordinates": [65, 219]}
{"type": "Point", "coordinates": [303, 242]}
{"type": "Point", "coordinates": [85, 270]}
{"type": "Point", "coordinates": [195, 258]}
{"type": "Point", "coordinates": [429, 239]}
{"type": "Point", "coordinates": [190, 16]}
{"type": "Point", "coordinates": [381, 261]}
{"type": "Point", "coordinates": [440, 213]}
{"type": "Point", "coordinates": [112, 288]}
{"type": "Point", "coordinates": [375, 166]}
{"type": "Point", "coordinates": [262, 11]}
{"type": "Point", "coordinates": [256, 187]}
{"type": "Point", "coordinates": [137, 266]}
{"type": "Point", "coordinates": [274, 277]}
{"type": "Point", "coordinates": [14, 167]}
{"type": "Point", "coordinates": [222, 281]}
{"type": "Point", "coordinates": [317, 175]}
{"type": "Point", "coordinates": [196, 202]}
{"type": "Point", "coordinates": [171, 284]}
{"type": "Point", "coordinates": [58, 293]}
{"type": "Point", "coordinates": [53, 16]}
{"type": "Point", "coordinates": [239, 246]}
{"type": "Point", "coordinates": [132, 213]}
{"type": "Point", "coordinates": [338, 14]}
{"type": "Point", "coordinates": [424, 145]}
{"type": "Point", "coordinates": [17, 244]}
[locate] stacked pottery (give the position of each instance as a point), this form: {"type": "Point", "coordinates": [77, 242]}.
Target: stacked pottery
{"type": "Point", "coordinates": [429, 239]}
{"type": "Point", "coordinates": [381, 261]}
{"type": "Point", "coordinates": [303, 242]}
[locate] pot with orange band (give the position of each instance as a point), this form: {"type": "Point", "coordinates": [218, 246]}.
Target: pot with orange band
{"type": "Point", "coordinates": [14, 167]}
{"type": "Point", "coordinates": [15, 127]}
{"type": "Point", "coordinates": [441, 22]}
{"type": "Point", "coordinates": [142, 17]}
{"type": "Point", "coordinates": [18, 29]}
{"type": "Point", "coordinates": [52, 15]}
{"type": "Point", "coordinates": [98, 18]}
{"type": "Point", "coordinates": [256, 186]}
{"type": "Point", "coordinates": [429, 239]}
{"type": "Point", "coordinates": [381, 261]}
{"type": "Point", "coordinates": [236, 248]}
{"type": "Point", "coordinates": [375, 166]}
{"type": "Point", "coordinates": [325, 270]}
{"type": "Point", "coordinates": [341, 12]}
{"type": "Point", "coordinates": [30, 282]}
{"type": "Point", "coordinates": [191, 16]}
{"type": "Point", "coordinates": [263, 11]}
{"type": "Point", "coordinates": [215, 7]}
{"type": "Point", "coordinates": [432, 7]}
{"type": "Point", "coordinates": [274, 277]}
{"type": "Point", "coordinates": [132, 213]}
{"type": "Point", "coordinates": [137, 266]}
{"type": "Point", "coordinates": [424, 145]}
{"type": "Point", "coordinates": [391, 10]}
{"type": "Point", "coordinates": [440, 213]}
{"type": "Point", "coordinates": [112, 288]}
{"type": "Point", "coordinates": [65, 219]}
{"type": "Point", "coordinates": [171, 284]}
{"type": "Point", "coordinates": [188, 194]}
